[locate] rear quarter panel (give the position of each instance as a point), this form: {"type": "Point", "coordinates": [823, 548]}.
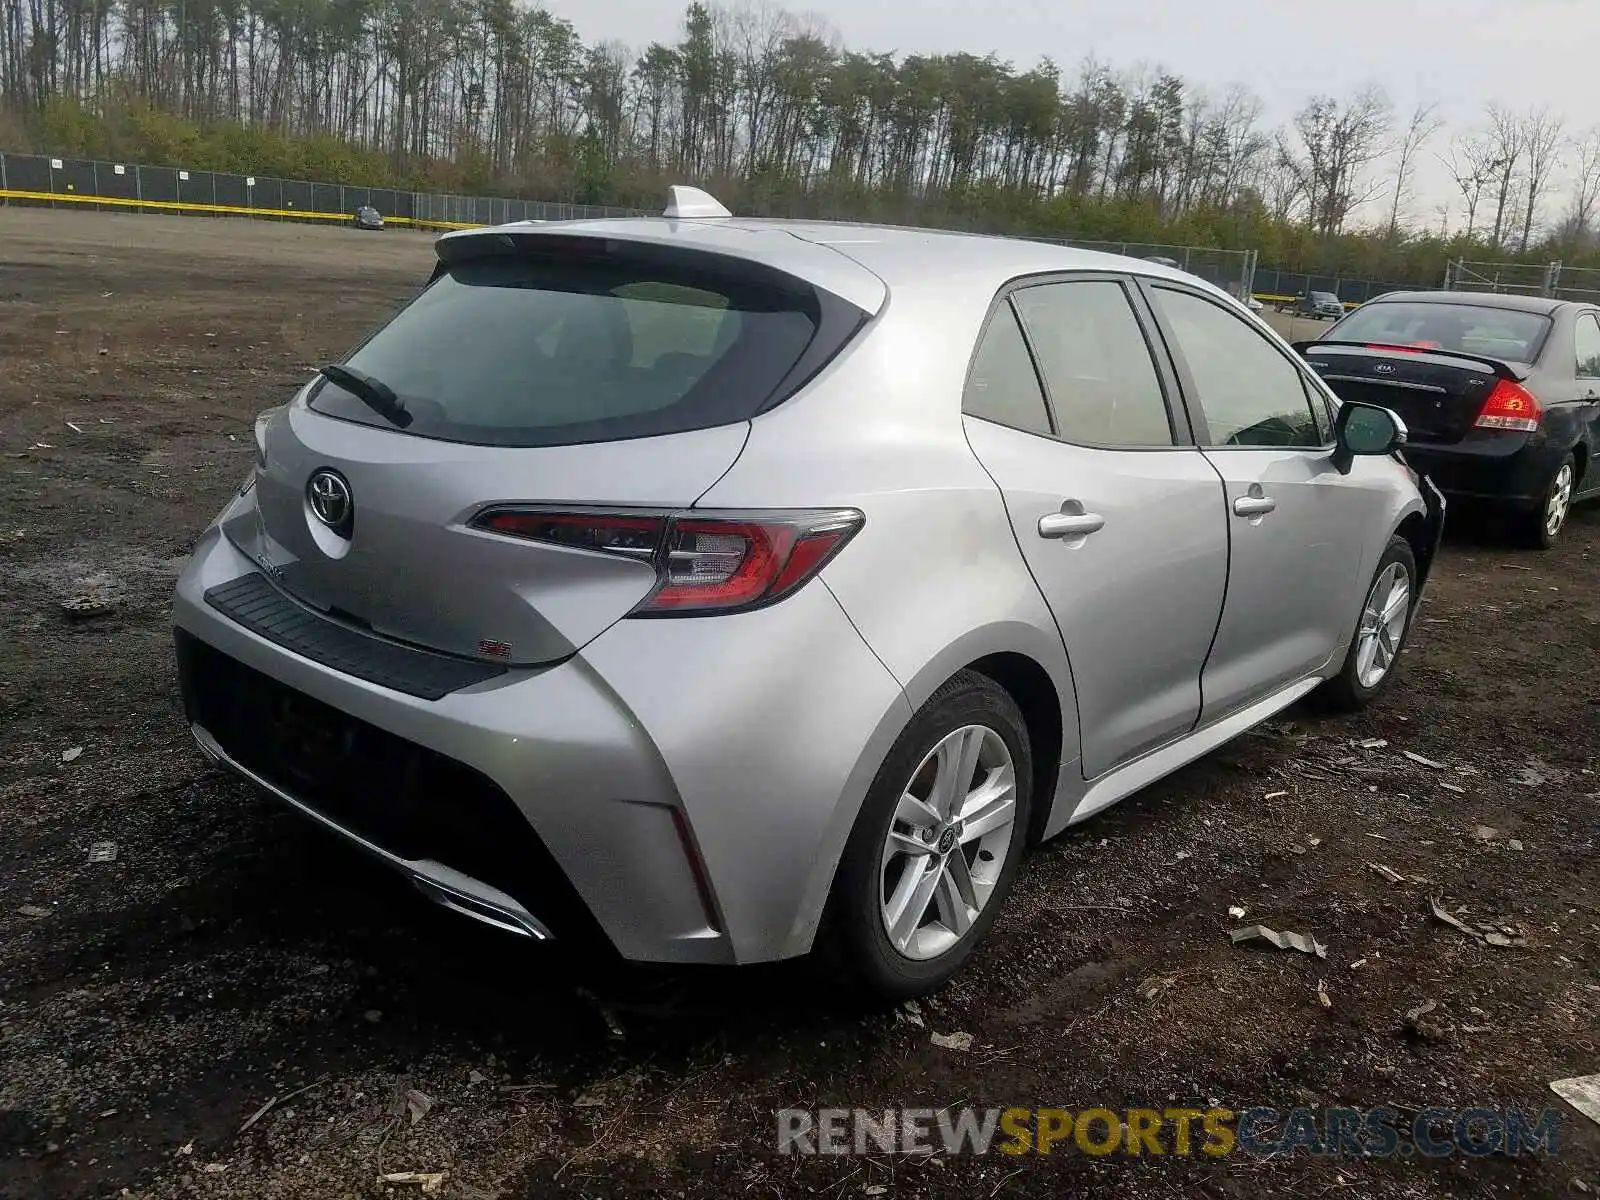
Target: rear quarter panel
{"type": "Point", "coordinates": [934, 580]}
{"type": "Point", "coordinates": [935, 567]}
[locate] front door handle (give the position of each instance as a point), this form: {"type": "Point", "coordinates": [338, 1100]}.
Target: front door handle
{"type": "Point", "coordinates": [1254, 506]}
{"type": "Point", "coordinates": [1071, 521]}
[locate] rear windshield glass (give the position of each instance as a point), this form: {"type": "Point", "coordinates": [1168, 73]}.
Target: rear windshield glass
{"type": "Point", "coordinates": [524, 351]}
{"type": "Point", "coordinates": [1502, 333]}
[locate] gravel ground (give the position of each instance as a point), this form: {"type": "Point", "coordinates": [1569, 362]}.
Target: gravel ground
{"type": "Point", "coordinates": [230, 956]}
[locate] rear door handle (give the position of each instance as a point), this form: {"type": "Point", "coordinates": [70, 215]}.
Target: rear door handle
{"type": "Point", "coordinates": [1066, 524]}
{"type": "Point", "coordinates": [1254, 506]}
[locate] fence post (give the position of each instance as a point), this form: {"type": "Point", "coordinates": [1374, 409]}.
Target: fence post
{"type": "Point", "coordinates": [1552, 278]}
{"type": "Point", "coordinates": [4, 186]}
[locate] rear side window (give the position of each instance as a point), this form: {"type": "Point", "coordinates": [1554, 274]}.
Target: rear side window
{"type": "Point", "coordinates": [1103, 385]}
{"type": "Point", "coordinates": [1504, 333]}
{"type": "Point", "coordinates": [1003, 386]}
{"type": "Point", "coordinates": [532, 350]}
{"type": "Point", "coordinates": [1588, 347]}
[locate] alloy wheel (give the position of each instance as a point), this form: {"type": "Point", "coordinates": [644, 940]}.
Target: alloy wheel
{"type": "Point", "coordinates": [1555, 509]}
{"type": "Point", "coordinates": [1383, 624]}
{"type": "Point", "coordinates": [947, 842]}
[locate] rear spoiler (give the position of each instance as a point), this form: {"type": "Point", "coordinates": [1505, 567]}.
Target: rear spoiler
{"type": "Point", "coordinates": [1501, 368]}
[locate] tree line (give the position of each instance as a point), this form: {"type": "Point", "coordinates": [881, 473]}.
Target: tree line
{"type": "Point", "coordinates": [776, 114]}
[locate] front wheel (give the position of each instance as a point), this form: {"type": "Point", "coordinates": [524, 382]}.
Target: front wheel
{"type": "Point", "coordinates": [1539, 527]}
{"type": "Point", "coordinates": [937, 843]}
{"type": "Point", "coordinates": [1380, 634]}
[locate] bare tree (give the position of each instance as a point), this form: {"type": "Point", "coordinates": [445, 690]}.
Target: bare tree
{"type": "Point", "coordinates": [1584, 194]}
{"type": "Point", "coordinates": [1506, 146]}
{"type": "Point", "coordinates": [1328, 150]}
{"type": "Point", "coordinates": [1541, 136]}
{"type": "Point", "coordinates": [1423, 125]}
{"type": "Point", "coordinates": [1470, 164]}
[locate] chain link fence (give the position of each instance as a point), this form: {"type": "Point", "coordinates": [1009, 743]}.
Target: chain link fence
{"type": "Point", "coordinates": [1553, 280]}
{"type": "Point", "coordinates": [1231, 270]}
{"type": "Point", "coordinates": [1280, 287]}
{"type": "Point", "coordinates": [1577, 283]}
{"type": "Point", "coordinates": [1522, 279]}
{"type": "Point", "coordinates": [111, 186]}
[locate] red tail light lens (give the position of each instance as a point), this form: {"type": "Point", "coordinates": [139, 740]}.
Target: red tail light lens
{"type": "Point", "coordinates": [635, 537]}
{"type": "Point", "coordinates": [1407, 348]}
{"type": "Point", "coordinates": [718, 565]}
{"type": "Point", "coordinates": [705, 563]}
{"type": "Point", "coordinates": [1509, 406]}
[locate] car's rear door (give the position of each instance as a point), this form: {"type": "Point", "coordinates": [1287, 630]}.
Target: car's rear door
{"type": "Point", "coordinates": [1297, 526]}
{"type": "Point", "coordinates": [1119, 517]}
{"type": "Point", "coordinates": [1587, 342]}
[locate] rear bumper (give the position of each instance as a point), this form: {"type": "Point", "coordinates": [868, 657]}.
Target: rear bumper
{"type": "Point", "coordinates": [1504, 471]}
{"type": "Point", "coordinates": [675, 788]}
{"type": "Point", "coordinates": [466, 895]}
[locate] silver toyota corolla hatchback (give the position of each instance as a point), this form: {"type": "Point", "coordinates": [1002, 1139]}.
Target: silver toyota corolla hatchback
{"type": "Point", "coordinates": [722, 589]}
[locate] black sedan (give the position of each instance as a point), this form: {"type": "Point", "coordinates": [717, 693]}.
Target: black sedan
{"type": "Point", "coordinates": [1500, 394]}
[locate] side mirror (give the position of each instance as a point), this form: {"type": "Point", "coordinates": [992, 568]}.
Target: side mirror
{"type": "Point", "coordinates": [1365, 429]}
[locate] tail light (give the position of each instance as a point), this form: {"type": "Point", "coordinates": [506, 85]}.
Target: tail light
{"type": "Point", "coordinates": [1406, 348]}
{"type": "Point", "coordinates": [704, 562]}
{"type": "Point", "coordinates": [1509, 406]}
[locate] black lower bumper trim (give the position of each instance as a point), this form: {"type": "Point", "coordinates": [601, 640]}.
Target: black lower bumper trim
{"type": "Point", "coordinates": [261, 608]}
{"type": "Point", "coordinates": [409, 801]}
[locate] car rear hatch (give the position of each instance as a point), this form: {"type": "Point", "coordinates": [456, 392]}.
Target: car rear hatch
{"type": "Point", "coordinates": [1439, 394]}
{"type": "Point", "coordinates": [554, 373]}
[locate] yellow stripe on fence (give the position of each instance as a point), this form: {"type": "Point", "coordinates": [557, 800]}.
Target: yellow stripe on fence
{"type": "Point", "coordinates": [223, 209]}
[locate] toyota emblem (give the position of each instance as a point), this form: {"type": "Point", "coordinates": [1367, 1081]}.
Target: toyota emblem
{"type": "Point", "coordinates": [328, 495]}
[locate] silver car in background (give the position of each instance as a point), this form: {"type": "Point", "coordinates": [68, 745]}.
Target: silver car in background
{"type": "Point", "coordinates": [722, 588]}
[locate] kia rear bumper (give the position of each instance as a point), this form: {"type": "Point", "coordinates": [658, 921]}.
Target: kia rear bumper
{"type": "Point", "coordinates": [1506, 470]}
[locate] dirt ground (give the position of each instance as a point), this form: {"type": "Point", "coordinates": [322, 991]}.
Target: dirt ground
{"type": "Point", "coordinates": [231, 955]}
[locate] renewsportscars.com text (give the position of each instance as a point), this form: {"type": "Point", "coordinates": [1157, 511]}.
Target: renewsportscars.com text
{"type": "Point", "coordinates": [1180, 1132]}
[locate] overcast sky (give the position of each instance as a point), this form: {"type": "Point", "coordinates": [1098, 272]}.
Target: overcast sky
{"type": "Point", "coordinates": [1461, 53]}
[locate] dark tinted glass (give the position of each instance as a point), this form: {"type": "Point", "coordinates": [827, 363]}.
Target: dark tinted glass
{"type": "Point", "coordinates": [1251, 394]}
{"type": "Point", "coordinates": [1003, 386]}
{"type": "Point", "coordinates": [1368, 430]}
{"type": "Point", "coordinates": [1466, 328]}
{"type": "Point", "coordinates": [528, 352]}
{"type": "Point", "coordinates": [1103, 385]}
{"type": "Point", "coordinates": [1588, 347]}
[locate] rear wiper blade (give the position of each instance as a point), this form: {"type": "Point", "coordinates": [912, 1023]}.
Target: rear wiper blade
{"type": "Point", "coordinates": [374, 393]}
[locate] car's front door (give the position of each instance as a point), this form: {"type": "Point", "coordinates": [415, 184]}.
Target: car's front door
{"type": "Point", "coordinates": [1298, 529]}
{"type": "Point", "coordinates": [1119, 516]}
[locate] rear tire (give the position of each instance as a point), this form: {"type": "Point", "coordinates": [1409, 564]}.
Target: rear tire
{"type": "Point", "coordinates": [1538, 528]}
{"type": "Point", "coordinates": [894, 923]}
{"type": "Point", "coordinates": [1380, 634]}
